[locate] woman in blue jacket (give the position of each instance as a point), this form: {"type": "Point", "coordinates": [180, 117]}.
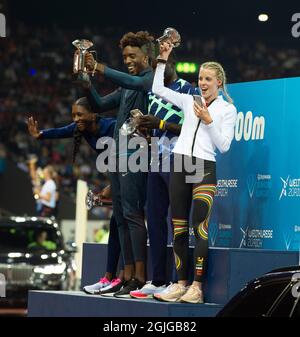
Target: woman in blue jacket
{"type": "Point", "coordinates": [86, 124]}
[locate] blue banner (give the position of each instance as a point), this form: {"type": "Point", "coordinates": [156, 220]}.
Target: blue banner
{"type": "Point", "coordinates": [257, 204]}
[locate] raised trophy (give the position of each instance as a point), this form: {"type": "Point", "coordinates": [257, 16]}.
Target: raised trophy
{"type": "Point", "coordinates": [79, 68]}
{"type": "Point", "coordinates": [130, 126]}
{"type": "Point", "coordinates": [170, 34]}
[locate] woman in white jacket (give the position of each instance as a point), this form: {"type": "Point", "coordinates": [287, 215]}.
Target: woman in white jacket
{"type": "Point", "coordinates": [206, 127]}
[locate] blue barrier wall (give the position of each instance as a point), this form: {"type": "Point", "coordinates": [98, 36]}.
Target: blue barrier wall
{"type": "Point", "coordinates": [258, 197]}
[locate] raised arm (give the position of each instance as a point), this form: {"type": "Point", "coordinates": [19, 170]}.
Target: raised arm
{"type": "Point", "coordinates": [158, 87]}
{"type": "Point", "coordinates": [101, 104]}
{"type": "Point", "coordinates": [167, 94]}
{"type": "Point", "coordinates": [141, 83]}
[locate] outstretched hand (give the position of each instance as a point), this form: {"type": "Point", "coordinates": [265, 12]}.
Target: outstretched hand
{"type": "Point", "coordinates": [33, 127]}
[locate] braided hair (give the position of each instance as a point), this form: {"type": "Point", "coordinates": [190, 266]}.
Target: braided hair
{"type": "Point", "coordinates": [77, 135]}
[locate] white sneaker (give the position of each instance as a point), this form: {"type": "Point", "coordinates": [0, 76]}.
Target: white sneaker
{"type": "Point", "coordinates": [95, 288]}
{"type": "Point", "coordinates": [193, 295]}
{"type": "Point", "coordinates": [147, 291]}
{"type": "Point", "coordinates": [172, 293]}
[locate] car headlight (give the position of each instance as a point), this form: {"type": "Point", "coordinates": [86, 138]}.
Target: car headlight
{"type": "Point", "coordinates": [50, 269]}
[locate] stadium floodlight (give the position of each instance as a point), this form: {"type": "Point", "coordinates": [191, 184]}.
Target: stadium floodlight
{"type": "Point", "coordinates": [263, 17]}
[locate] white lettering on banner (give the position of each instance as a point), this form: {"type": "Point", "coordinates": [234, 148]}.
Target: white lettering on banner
{"type": "Point", "coordinates": [224, 226]}
{"type": "Point", "coordinates": [290, 188]}
{"type": "Point", "coordinates": [239, 126]}
{"type": "Point", "coordinates": [223, 186]}
{"type": "Point", "coordinates": [254, 238]}
{"type": "Point", "coordinates": [297, 228]}
{"type": "Point", "coordinates": [296, 26]}
{"type": "Point", "coordinates": [221, 192]}
{"type": "Point", "coordinates": [227, 183]}
{"type": "Point", "coordinates": [258, 130]}
{"type": "Point", "coordinates": [294, 183]}
{"type": "Point", "coordinates": [264, 177]}
{"type": "Point", "coordinates": [246, 127]}
{"type": "Point", "coordinates": [261, 233]}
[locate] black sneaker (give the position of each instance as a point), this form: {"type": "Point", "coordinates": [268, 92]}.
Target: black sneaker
{"type": "Point", "coordinates": [112, 288]}
{"type": "Point", "coordinates": [131, 285]}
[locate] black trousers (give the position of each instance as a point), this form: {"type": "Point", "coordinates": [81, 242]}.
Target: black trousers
{"type": "Point", "coordinates": [129, 197]}
{"type": "Point", "coordinates": [157, 220]}
{"type": "Point", "coordinates": [183, 193]}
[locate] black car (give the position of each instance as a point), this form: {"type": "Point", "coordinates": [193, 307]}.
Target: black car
{"type": "Point", "coordinates": [275, 294]}
{"type": "Point", "coordinates": [33, 255]}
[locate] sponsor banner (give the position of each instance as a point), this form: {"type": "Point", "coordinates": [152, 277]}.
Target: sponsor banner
{"type": "Point", "coordinates": [258, 190]}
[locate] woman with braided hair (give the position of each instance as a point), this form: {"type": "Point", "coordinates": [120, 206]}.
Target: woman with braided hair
{"type": "Point", "coordinates": [91, 127]}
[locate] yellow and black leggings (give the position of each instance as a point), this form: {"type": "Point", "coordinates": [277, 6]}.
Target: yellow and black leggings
{"type": "Point", "coordinates": [182, 195]}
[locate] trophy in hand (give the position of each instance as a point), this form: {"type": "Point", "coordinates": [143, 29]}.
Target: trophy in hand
{"type": "Point", "coordinates": [97, 199]}
{"type": "Point", "coordinates": [171, 35]}
{"type": "Point", "coordinates": [130, 126]}
{"type": "Point", "coordinates": [79, 68]}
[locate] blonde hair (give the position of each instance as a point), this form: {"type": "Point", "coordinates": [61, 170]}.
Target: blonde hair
{"type": "Point", "coordinates": [51, 171]}
{"type": "Point", "coordinates": [221, 75]}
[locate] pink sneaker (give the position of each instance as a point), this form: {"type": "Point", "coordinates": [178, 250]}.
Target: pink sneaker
{"type": "Point", "coordinates": [115, 285]}
{"type": "Point", "coordinates": [95, 288]}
